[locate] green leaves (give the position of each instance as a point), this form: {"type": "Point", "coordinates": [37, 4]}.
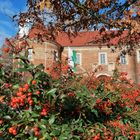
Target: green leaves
{"type": "Point", "coordinates": [95, 112]}
{"type": "Point", "coordinates": [52, 92]}
{"type": "Point", "coordinates": [52, 119]}
{"type": "Point", "coordinates": [55, 132]}
{"type": "Point", "coordinates": [7, 117]}
{"type": "Point", "coordinates": [16, 86]}
{"type": "Point", "coordinates": [137, 137]}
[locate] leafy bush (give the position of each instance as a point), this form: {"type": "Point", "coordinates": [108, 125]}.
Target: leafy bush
{"type": "Point", "coordinates": [62, 105]}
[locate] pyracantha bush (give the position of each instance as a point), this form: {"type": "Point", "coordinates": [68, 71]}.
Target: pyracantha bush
{"type": "Point", "coordinates": [60, 105]}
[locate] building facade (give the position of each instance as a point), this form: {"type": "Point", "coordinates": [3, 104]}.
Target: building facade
{"type": "Point", "coordinates": [89, 55]}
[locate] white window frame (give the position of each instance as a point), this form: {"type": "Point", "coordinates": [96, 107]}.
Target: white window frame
{"type": "Point", "coordinates": [80, 58]}
{"type": "Point", "coordinates": [138, 55]}
{"type": "Point", "coordinates": [99, 58]}
{"type": "Point", "coordinates": [55, 55]}
{"type": "Point", "coordinates": [30, 54]}
{"type": "Point", "coordinates": [126, 57]}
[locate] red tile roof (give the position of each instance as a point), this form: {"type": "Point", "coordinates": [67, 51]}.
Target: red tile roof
{"type": "Point", "coordinates": [81, 39]}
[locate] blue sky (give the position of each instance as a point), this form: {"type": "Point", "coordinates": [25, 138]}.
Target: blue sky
{"type": "Point", "coordinates": [8, 8]}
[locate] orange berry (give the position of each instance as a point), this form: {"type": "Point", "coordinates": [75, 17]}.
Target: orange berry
{"type": "Point", "coordinates": [26, 86]}
{"type": "Point", "coordinates": [24, 89]}
{"type": "Point", "coordinates": [19, 94]}
{"type": "Point", "coordinates": [36, 133]}
{"type": "Point", "coordinates": [43, 113]}
{"type": "Point", "coordinates": [29, 94]}
{"type": "Point", "coordinates": [6, 85]}
{"type": "Point", "coordinates": [37, 92]}
{"type": "Point", "coordinates": [1, 122]}
{"type": "Point", "coordinates": [36, 128]}
{"type": "Point", "coordinates": [29, 98]}
{"type": "Point", "coordinates": [11, 129]}
{"type": "Point", "coordinates": [14, 132]}
{"type": "Point", "coordinates": [71, 94]}
{"type": "Point", "coordinates": [33, 82]}
{"type": "Point", "coordinates": [20, 89]}
{"type": "Point", "coordinates": [30, 102]}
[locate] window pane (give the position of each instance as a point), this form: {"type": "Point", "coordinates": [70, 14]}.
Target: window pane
{"type": "Point", "coordinates": [55, 53]}
{"type": "Point", "coordinates": [102, 58]}
{"type": "Point", "coordinates": [123, 59]}
{"type": "Point", "coordinates": [30, 53]}
{"type": "Point", "coordinates": [77, 58]}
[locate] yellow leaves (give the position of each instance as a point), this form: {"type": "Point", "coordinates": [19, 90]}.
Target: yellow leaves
{"type": "Point", "coordinates": [41, 6]}
{"type": "Point", "coordinates": [131, 11]}
{"type": "Point", "coordinates": [1, 98]}
{"type": "Point", "coordinates": [135, 27]}
{"type": "Point", "coordinates": [43, 138]}
{"type": "Point", "coordinates": [110, 87]}
{"type": "Point", "coordinates": [44, 4]}
{"type": "Point", "coordinates": [138, 12]}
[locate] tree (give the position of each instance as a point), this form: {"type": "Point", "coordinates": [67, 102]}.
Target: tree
{"type": "Point", "coordinates": [77, 15]}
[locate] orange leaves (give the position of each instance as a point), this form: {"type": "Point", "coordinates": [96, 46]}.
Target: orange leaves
{"type": "Point", "coordinates": [44, 4]}
{"type": "Point", "coordinates": [58, 69]}
{"type": "Point", "coordinates": [1, 98]}
{"type": "Point", "coordinates": [6, 50]}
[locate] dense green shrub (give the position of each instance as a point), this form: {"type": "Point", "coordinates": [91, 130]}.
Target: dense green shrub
{"type": "Point", "coordinates": [62, 105]}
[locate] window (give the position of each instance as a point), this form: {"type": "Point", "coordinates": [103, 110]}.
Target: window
{"type": "Point", "coordinates": [138, 56]}
{"type": "Point", "coordinates": [78, 58]}
{"type": "Point", "coordinates": [30, 54]}
{"type": "Point", "coordinates": [55, 53]}
{"type": "Point", "coordinates": [123, 59]}
{"type": "Point", "coordinates": [102, 58]}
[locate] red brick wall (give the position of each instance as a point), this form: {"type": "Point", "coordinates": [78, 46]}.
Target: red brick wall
{"type": "Point", "coordinates": [90, 59]}
{"type": "Point", "coordinates": [43, 53]}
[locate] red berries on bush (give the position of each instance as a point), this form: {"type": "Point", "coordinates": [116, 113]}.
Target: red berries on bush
{"type": "Point", "coordinates": [36, 131]}
{"type": "Point", "coordinates": [29, 94]}
{"type": "Point", "coordinates": [44, 111]}
{"type": "Point", "coordinates": [13, 130]}
{"type": "Point", "coordinates": [37, 92]}
{"type": "Point", "coordinates": [1, 121]}
{"type": "Point", "coordinates": [7, 85]}
{"type": "Point", "coordinates": [71, 94]}
{"type": "Point", "coordinates": [31, 102]}
{"type": "Point", "coordinates": [26, 86]}
{"type": "Point", "coordinates": [18, 101]}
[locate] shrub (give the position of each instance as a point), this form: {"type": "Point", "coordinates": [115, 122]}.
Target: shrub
{"type": "Point", "coordinates": [65, 106]}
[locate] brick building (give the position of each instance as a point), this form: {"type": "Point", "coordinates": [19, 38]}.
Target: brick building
{"type": "Point", "coordinates": [89, 54]}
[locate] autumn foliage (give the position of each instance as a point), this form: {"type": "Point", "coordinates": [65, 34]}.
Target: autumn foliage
{"type": "Point", "coordinates": [110, 17]}
{"type": "Point", "coordinates": [57, 104]}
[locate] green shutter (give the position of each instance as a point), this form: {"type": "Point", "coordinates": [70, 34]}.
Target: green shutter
{"type": "Point", "coordinates": [74, 59]}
